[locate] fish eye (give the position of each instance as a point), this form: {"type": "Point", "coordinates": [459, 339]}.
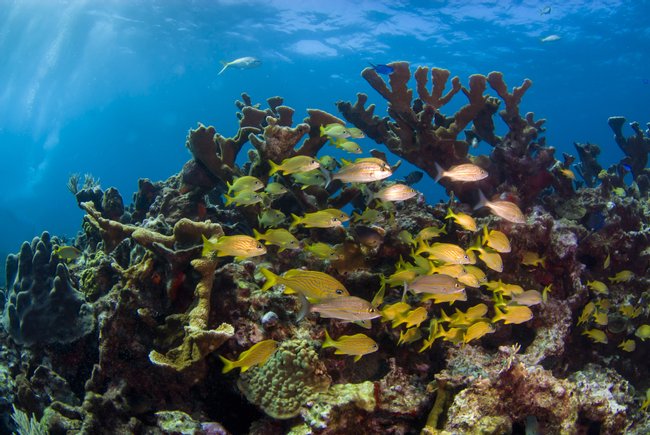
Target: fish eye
{"type": "Point", "coordinates": [335, 219]}
{"type": "Point", "coordinates": [375, 346]}
{"type": "Point", "coordinates": [457, 285]}
{"type": "Point", "coordinates": [259, 246]}
{"type": "Point", "coordinates": [371, 310]}
{"type": "Point", "coordinates": [339, 291]}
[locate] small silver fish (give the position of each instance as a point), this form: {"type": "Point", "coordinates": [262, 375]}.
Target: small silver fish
{"type": "Point", "coordinates": [241, 63]}
{"type": "Point", "coordinates": [551, 38]}
{"type": "Point", "coordinates": [350, 308]}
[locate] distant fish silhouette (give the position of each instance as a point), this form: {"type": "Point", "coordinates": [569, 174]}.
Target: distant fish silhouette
{"type": "Point", "coordinates": [545, 11]}
{"type": "Point", "coordinates": [413, 177]}
{"type": "Point", "coordinates": [551, 38]}
{"type": "Point", "coordinates": [382, 69]}
{"type": "Point", "coordinates": [241, 63]}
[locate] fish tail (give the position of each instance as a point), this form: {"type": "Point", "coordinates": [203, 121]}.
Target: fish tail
{"type": "Point", "coordinates": [304, 308]}
{"type": "Point", "coordinates": [296, 221]}
{"type": "Point", "coordinates": [225, 65]}
{"type": "Point", "coordinates": [481, 200]}
{"type": "Point", "coordinates": [328, 177]}
{"type": "Point", "coordinates": [271, 279]}
{"type": "Point", "coordinates": [450, 214]}
{"type": "Point", "coordinates": [229, 186]}
{"type": "Point", "coordinates": [328, 341]}
{"type": "Point", "coordinates": [500, 315]}
{"type": "Point", "coordinates": [322, 130]}
{"type": "Point", "coordinates": [485, 234]}
{"type": "Point", "coordinates": [208, 246]}
{"type": "Point", "coordinates": [227, 364]}
{"type": "Point", "coordinates": [229, 199]}
{"type": "Point", "coordinates": [439, 172]}
{"type": "Point", "coordinates": [256, 234]}
{"type": "Point", "coordinates": [274, 167]}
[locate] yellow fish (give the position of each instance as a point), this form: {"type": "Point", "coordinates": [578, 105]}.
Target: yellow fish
{"type": "Point", "coordinates": [496, 240]}
{"type": "Point", "coordinates": [596, 335]}
{"type": "Point", "coordinates": [334, 131]}
{"type": "Point", "coordinates": [515, 314]}
{"type": "Point", "coordinates": [395, 192]}
{"type": "Point", "coordinates": [340, 215]}
{"type": "Point", "coordinates": [362, 172]}
{"type": "Point", "coordinates": [446, 252]}
{"type": "Point", "coordinates": [276, 189]}
{"type": "Point", "coordinates": [598, 287]}
{"type": "Point", "coordinates": [406, 238]}
{"type": "Point", "coordinates": [630, 312]}
{"type": "Point", "coordinates": [67, 253]}
{"type": "Point", "coordinates": [314, 285]}
{"type": "Point", "coordinates": [627, 345]}
{"type": "Point", "coordinates": [622, 276]}
{"type": "Point", "coordinates": [409, 336]}
{"type": "Point", "coordinates": [587, 311]}
{"type": "Point", "coordinates": [607, 261]}
{"type": "Point", "coordinates": [328, 162]}
{"type": "Point", "coordinates": [369, 215]}
{"type": "Point", "coordinates": [643, 332]}
{"type": "Point", "coordinates": [545, 291]}
{"type": "Point", "coordinates": [468, 280]}
{"type": "Point", "coordinates": [533, 259]}
{"type": "Point", "coordinates": [324, 251]}
{"type": "Point", "coordinates": [256, 355]}
{"type": "Point", "coordinates": [245, 197]}
{"type": "Point", "coordinates": [491, 259]}
{"type": "Point", "coordinates": [310, 178]}
{"type": "Point", "coordinates": [357, 345]}
{"type": "Point", "coordinates": [464, 220]}
{"type": "Point", "coordinates": [429, 233]}
{"type": "Point", "coordinates": [270, 217]}
{"type": "Point", "coordinates": [294, 164]}
{"type": "Point", "coordinates": [238, 246]}
{"type": "Point", "coordinates": [477, 330]}
{"type": "Point", "coordinates": [247, 182]}
{"type": "Point", "coordinates": [279, 237]}
{"type": "Point", "coordinates": [504, 209]}
{"type": "Point", "coordinates": [601, 318]}
{"type": "Point", "coordinates": [347, 145]}
{"type": "Point", "coordinates": [392, 311]}
{"type": "Point", "coordinates": [568, 173]}
{"type": "Point", "coordinates": [317, 219]}
{"type": "Point", "coordinates": [445, 298]}
{"type": "Point", "coordinates": [412, 318]}
{"type": "Point", "coordinates": [477, 272]}
{"type": "Point", "coordinates": [465, 172]}
{"type": "Point", "coordinates": [355, 132]}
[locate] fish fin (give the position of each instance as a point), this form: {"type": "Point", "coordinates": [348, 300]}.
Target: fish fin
{"type": "Point", "coordinates": [499, 315]}
{"type": "Point", "coordinates": [227, 364]}
{"type": "Point", "coordinates": [225, 65]}
{"type": "Point", "coordinates": [439, 172]}
{"type": "Point", "coordinates": [304, 307]}
{"type": "Point", "coordinates": [328, 341]}
{"type": "Point", "coordinates": [271, 279]}
{"type": "Point", "coordinates": [450, 214]}
{"type": "Point", "coordinates": [322, 130]}
{"type": "Point", "coordinates": [274, 167]}
{"type": "Point", "coordinates": [208, 246]}
{"type": "Point", "coordinates": [357, 358]}
{"type": "Point", "coordinates": [256, 234]}
{"type": "Point", "coordinates": [296, 221]}
{"type": "Point", "coordinates": [229, 199]}
{"type": "Point", "coordinates": [244, 368]}
{"type": "Point", "coordinates": [481, 200]}
{"type": "Point", "coordinates": [229, 186]}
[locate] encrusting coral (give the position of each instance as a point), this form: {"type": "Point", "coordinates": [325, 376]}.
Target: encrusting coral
{"type": "Point", "coordinates": [533, 317]}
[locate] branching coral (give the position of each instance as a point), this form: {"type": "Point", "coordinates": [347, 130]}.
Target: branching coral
{"type": "Point", "coordinates": [420, 133]}
{"type": "Point", "coordinates": [635, 147]}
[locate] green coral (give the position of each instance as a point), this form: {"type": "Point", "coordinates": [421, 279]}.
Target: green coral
{"type": "Point", "coordinates": [292, 376]}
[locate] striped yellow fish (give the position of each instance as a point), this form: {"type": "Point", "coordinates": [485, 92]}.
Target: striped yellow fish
{"type": "Point", "coordinates": [256, 355]}
{"type": "Point", "coordinates": [357, 345]}
{"type": "Point", "coordinates": [238, 246]}
{"type": "Point", "coordinates": [504, 209]}
{"type": "Point", "coordinates": [465, 172]}
{"type": "Point", "coordinates": [362, 172]}
{"type": "Point", "coordinates": [313, 285]}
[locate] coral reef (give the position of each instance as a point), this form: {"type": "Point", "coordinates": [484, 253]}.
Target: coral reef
{"type": "Point", "coordinates": [440, 319]}
{"type": "Point", "coordinates": [42, 304]}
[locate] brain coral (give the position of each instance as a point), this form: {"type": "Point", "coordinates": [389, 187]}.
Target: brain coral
{"type": "Point", "coordinates": [286, 381]}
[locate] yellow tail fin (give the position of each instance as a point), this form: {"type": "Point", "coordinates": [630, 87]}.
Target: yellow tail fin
{"type": "Point", "coordinates": [227, 364]}
{"type": "Point", "coordinates": [274, 168]}
{"type": "Point", "coordinates": [271, 279]}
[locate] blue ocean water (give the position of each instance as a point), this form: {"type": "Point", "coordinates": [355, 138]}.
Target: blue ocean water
{"type": "Point", "coordinates": [111, 88]}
